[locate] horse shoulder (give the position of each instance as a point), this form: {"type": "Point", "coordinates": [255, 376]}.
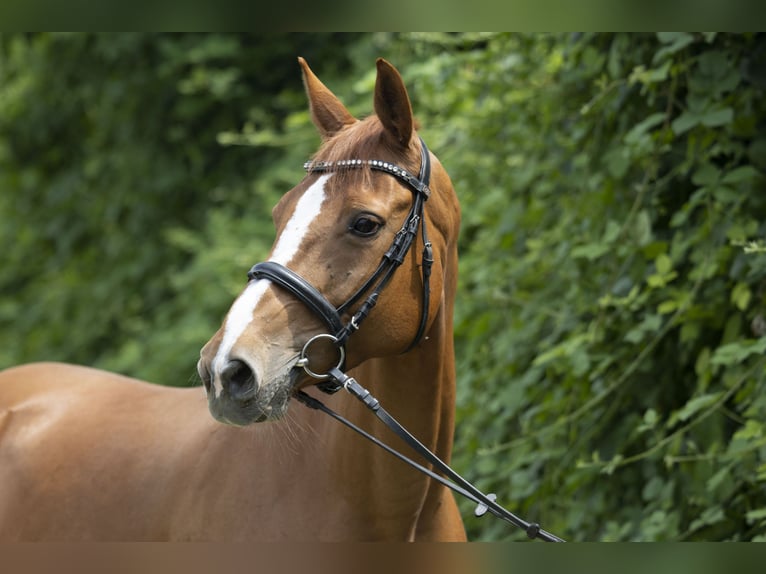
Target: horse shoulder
{"type": "Point", "coordinates": [143, 461]}
{"type": "Point", "coordinates": [75, 439]}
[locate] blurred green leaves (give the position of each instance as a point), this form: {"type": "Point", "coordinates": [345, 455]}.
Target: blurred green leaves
{"type": "Point", "coordinates": [603, 320]}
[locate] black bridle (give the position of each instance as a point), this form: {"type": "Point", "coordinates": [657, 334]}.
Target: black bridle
{"type": "Point", "coordinates": [392, 259]}
{"type": "Point", "coordinates": [335, 379]}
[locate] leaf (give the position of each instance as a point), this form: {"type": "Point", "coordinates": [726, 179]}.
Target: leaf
{"type": "Point", "coordinates": [642, 228]}
{"type": "Point", "coordinates": [566, 348]}
{"type": "Point", "coordinates": [693, 406]}
{"type": "Point", "coordinates": [649, 325]}
{"type": "Point", "coordinates": [755, 515]}
{"type": "Point", "coordinates": [711, 515]}
{"type": "Point", "coordinates": [719, 478]}
{"type": "Point", "coordinates": [718, 117]}
{"type": "Point", "coordinates": [612, 231]}
{"type": "Point", "coordinates": [751, 430]}
{"type": "Point", "coordinates": [667, 307]}
{"type": "Point", "coordinates": [651, 76]}
{"type": "Point", "coordinates": [657, 281]}
{"type": "Point", "coordinates": [738, 351]}
{"type": "Point", "coordinates": [590, 251]}
{"type": "Point", "coordinates": [652, 489]}
{"type": "Point", "coordinates": [702, 366]}
{"type": "Point", "coordinates": [740, 175]}
{"type": "Point", "coordinates": [635, 335]}
{"type": "Point", "coordinates": [675, 41]}
{"type": "Point", "coordinates": [685, 122]}
{"type": "Point", "coordinates": [707, 174]}
{"type": "Point", "coordinates": [617, 162]}
{"type": "Point", "coordinates": [714, 74]}
{"type": "Point", "coordinates": [644, 126]}
{"type": "Point", "coordinates": [741, 295]}
{"type": "Point", "coordinates": [663, 264]}
{"type": "Point", "coordinates": [725, 194]}
{"type": "Point", "coordinates": [650, 421]}
{"type": "Point", "coordinates": [680, 217]}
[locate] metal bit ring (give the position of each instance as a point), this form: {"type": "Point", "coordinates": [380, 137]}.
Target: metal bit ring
{"type": "Point", "coordinates": [303, 361]}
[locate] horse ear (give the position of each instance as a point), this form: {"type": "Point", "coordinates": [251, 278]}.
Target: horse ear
{"type": "Point", "coordinates": [327, 112]}
{"type": "Point", "coordinates": [392, 104]}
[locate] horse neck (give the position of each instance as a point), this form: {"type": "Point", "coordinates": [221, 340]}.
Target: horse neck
{"type": "Point", "coordinates": [418, 389]}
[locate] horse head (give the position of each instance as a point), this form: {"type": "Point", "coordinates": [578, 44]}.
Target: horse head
{"type": "Point", "coordinates": [334, 231]}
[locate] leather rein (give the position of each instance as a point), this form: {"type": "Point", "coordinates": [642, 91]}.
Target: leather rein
{"type": "Point", "coordinates": [335, 379]}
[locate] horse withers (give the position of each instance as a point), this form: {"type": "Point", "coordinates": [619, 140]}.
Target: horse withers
{"type": "Point", "coordinates": [90, 455]}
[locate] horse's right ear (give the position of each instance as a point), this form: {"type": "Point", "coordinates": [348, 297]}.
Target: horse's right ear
{"type": "Point", "coordinates": [327, 112]}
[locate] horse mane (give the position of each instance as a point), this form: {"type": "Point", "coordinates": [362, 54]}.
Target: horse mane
{"type": "Point", "coordinates": [365, 139]}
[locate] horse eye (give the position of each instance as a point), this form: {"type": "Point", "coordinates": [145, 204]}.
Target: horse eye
{"type": "Point", "coordinates": [364, 226]}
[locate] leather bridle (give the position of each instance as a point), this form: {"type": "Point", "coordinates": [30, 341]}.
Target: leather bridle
{"type": "Point", "coordinates": [335, 379]}
{"type": "Point", "coordinates": [391, 260]}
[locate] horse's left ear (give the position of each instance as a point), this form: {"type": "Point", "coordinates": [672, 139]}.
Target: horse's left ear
{"type": "Point", "coordinates": [327, 112]}
{"type": "Point", "coordinates": [392, 104]}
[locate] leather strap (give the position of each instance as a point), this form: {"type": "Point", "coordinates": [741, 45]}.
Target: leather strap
{"type": "Point", "coordinates": [453, 480]}
{"type": "Point", "coordinates": [300, 288]}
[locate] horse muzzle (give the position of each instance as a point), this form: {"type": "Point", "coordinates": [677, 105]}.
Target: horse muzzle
{"type": "Point", "coordinates": [236, 396]}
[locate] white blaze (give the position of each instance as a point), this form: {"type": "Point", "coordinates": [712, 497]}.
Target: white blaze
{"type": "Point", "coordinates": [240, 315]}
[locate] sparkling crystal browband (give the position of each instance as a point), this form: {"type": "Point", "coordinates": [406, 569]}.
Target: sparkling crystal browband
{"type": "Point", "coordinates": [402, 174]}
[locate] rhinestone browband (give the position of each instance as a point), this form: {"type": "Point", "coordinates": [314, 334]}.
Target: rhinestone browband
{"type": "Point", "coordinates": [415, 183]}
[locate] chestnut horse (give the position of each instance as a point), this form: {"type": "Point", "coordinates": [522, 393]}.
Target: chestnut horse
{"type": "Point", "coordinates": [90, 455]}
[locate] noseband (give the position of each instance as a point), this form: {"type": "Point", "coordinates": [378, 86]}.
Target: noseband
{"type": "Point", "coordinates": [391, 260]}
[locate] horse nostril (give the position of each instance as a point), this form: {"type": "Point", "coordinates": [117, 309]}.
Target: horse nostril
{"type": "Point", "coordinates": [204, 374]}
{"type": "Point", "coordinates": [238, 379]}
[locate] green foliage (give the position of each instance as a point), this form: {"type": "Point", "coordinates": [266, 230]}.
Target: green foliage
{"type": "Point", "coordinates": [609, 185]}
{"type": "Point", "coordinates": [610, 326]}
